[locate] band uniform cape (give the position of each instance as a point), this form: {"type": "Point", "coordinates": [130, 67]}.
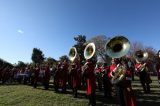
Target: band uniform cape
{"type": "Point", "coordinates": [129, 97]}
{"type": "Point", "coordinates": [90, 78]}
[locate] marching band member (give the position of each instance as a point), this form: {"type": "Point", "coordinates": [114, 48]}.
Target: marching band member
{"type": "Point", "coordinates": [75, 73]}
{"type": "Point", "coordinates": [124, 88]}
{"type": "Point", "coordinates": [57, 76]}
{"type": "Point", "coordinates": [88, 72]}
{"type": "Point", "coordinates": [47, 76]}
{"type": "Point", "coordinates": [36, 75]}
{"type": "Point", "coordinates": [142, 69]}
{"type": "Point", "coordinates": [158, 66]}
{"type": "Point", "coordinates": [61, 76]}
{"type": "Point", "coordinates": [106, 81]}
{"type": "Point", "coordinates": [98, 72]}
{"type": "Point", "coordinates": [26, 75]}
{"type": "Point", "coordinates": [64, 75]}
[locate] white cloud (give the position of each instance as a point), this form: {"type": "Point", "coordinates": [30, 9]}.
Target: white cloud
{"type": "Point", "coordinates": [20, 31]}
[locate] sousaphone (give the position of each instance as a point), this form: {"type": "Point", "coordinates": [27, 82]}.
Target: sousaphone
{"type": "Point", "coordinates": [72, 54]}
{"type": "Point", "coordinates": [117, 47]}
{"type": "Point", "coordinates": [89, 51]}
{"type": "Point", "coordinates": [141, 55]}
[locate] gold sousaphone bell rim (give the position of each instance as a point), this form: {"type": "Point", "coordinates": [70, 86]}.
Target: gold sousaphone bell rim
{"type": "Point", "coordinates": [144, 55]}
{"type": "Point", "coordinates": [111, 42]}
{"type": "Point", "coordinates": [71, 56]}
{"type": "Point", "coordinates": [86, 56]}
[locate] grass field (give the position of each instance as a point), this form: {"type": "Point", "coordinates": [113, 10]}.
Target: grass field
{"type": "Point", "coordinates": [24, 95]}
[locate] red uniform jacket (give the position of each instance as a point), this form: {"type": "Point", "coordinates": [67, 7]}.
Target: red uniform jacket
{"type": "Point", "coordinates": [47, 74]}
{"type": "Point", "coordinates": [75, 77]}
{"type": "Point", "coordinates": [57, 74]}
{"type": "Point", "coordinates": [63, 74]}
{"type": "Point", "coordinates": [112, 67]}
{"type": "Point", "coordinates": [90, 78]}
{"type": "Point", "coordinates": [98, 70]}
{"type": "Point", "coordinates": [127, 77]}
{"type": "Point", "coordinates": [136, 67]}
{"type": "Point", "coordinates": [144, 75]}
{"type": "Point", "coordinates": [129, 97]}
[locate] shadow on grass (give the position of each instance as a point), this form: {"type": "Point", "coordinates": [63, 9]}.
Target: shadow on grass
{"type": "Point", "coordinates": [151, 99]}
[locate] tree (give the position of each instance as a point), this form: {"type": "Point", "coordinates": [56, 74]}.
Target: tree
{"type": "Point", "coordinates": [80, 46]}
{"type": "Point", "coordinates": [21, 64]}
{"type": "Point", "coordinates": [81, 39]}
{"type": "Point", "coordinates": [4, 63]}
{"type": "Point", "coordinates": [135, 46]}
{"type": "Point", "coordinates": [37, 56]}
{"type": "Point", "coordinates": [100, 42]}
{"type": "Point", "coordinates": [1, 62]}
{"type": "Point", "coordinates": [51, 61]}
{"type": "Point", "coordinates": [64, 57]}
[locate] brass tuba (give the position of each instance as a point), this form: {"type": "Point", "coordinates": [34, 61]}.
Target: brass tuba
{"type": "Point", "coordinates": [72, 54]}
{"type": "Point", "coordinates": [89, 51]}
{"type": "Point", "coordinates": [140, 55]}
{"type": "Point", "coordinates": [117, 47]}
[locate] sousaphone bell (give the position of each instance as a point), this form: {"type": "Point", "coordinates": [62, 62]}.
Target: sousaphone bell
{"type": "Point", "coordinates": [140, 55]}
{"type": "Point", "coordinates": [89, 51]}
{"type": "Point", "coordinates": [72, 54]}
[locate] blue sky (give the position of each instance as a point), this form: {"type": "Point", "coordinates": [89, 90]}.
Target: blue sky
{"type": "Point", "coordinates": [51, 24]}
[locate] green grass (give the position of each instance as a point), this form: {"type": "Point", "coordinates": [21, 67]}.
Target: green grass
{"type": "Point", "coordinates": [23, 95]}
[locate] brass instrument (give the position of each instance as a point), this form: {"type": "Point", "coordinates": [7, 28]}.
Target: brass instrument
{"type": "Point", "coordinates": [141, 56]}
{"type": "Point", "coordinates": [141, 67]}
{"type": "Point", "coordinates": [89, 51]}
{"type": "Point", "coordinates": [72, 54]}
{"type": "Point", "coordinates": [117, 47]}
{"type": "Point", "coordinates": [118, 74]}
{"type": "Point", "coordinates": [84, 67]}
